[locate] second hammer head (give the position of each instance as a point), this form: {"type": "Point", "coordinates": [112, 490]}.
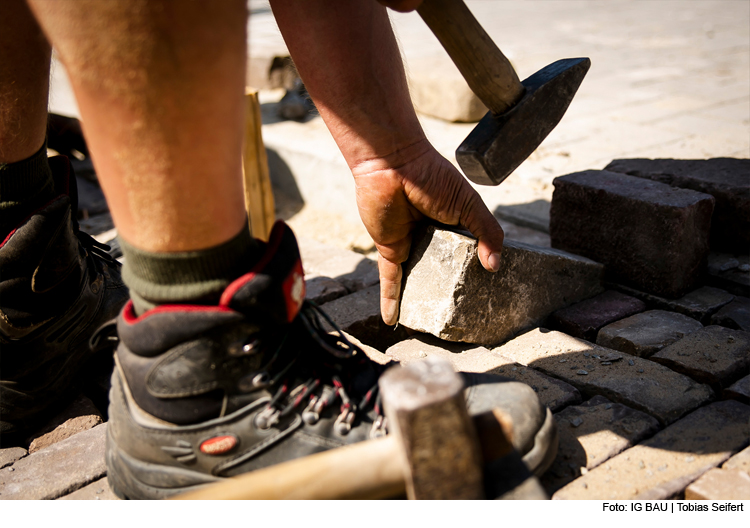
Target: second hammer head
{"type": "Point", "coordinates": [500, 143]}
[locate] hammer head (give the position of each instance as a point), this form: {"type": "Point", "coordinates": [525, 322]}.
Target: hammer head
{"type": "Point", "coordinates": [500, 143]}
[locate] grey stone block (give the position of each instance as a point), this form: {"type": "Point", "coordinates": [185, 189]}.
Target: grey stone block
{"type": "Point", "coordinates": [323, 289]}
{"type": "Point", "coordinates": [736, 314]}
{"type": "Point", "coordinates": [713, 355]}
{"type": "Point", "coordinates": [359, 315]}
{"type": "Point", "coordinates": [740, 390]}
{"type": "Point", "coordinates": [646, 333]}
{"type": "Point", "coordinates": [553, 393]}
{"type": "Point", "coordinates": [648, 235]}
{"type": "Point", "coordinates": [720, 484]}
{"type": "Point", "coordinates": [729, 272]}
{"type": "Point", "coordinates": [740, 461]}
{"type": "Point", "coordinates": [699, 304]}
{"type": "Point", "coordinates": [57, 470]}
{"type": "Point", "coordinates": [9, 455]}
{"type": "Point", "coordinates": [664, 465]}
{"type": "Point", "coordinates": [594, 370]}
{"type": "Point", "coordinates": [352, 270]}
{"type": "Point", "coordinates": [726, 179]}
{"type": "Point", "coordinates": [592, 433]}
{"type": "Point", "coordinates": [585, 318]}
{"type": "Point", "coordinates": [447, 293]}
{"type": "Point", "coordinates": [98, 490]}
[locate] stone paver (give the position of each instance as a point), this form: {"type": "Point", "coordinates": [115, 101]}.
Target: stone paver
{"type": "Point", "coordinates": [664, 465]}
{"type": "Point", "coordinates": [713, 355]}
{"type": "Point", "coordinates": [727, 180]}
{"type": "Point", "coordinates": [448, 293]}
{"type": "Point", "coordinates": [57, 470]}
{"type": "Point", "coordinates": [80, 415]}
{"type": "Point", "coordinates": [740, 390]}
{"type": "Point", "coordinates": [739, 461]}
{"type": "Point", "coordinates": [585, 318]}
{"type": "Point", "coordinates": [646, 333]}
{"type": "Point", "coordinates": [592, 369]}
{"type": "Point", "coordinates": [720, 484]}
{"type": "Point", "coordinates": [592, 433]}
{"type": "Point", "coordinates": [9, 455]}
{"type": "Point", "coordinates": [439, 90]}
{"type": "Point", "coordinates": [729, 272]}
{"type": "Point", "coordinates": [323, 289]}
{"type": "Point", "coordinates": [359, 315]}
{"type": "Point", "coordinates": [736, 314]}
{"type": "Point", "coordinates": [355, 272]}
{"type": "Point", "coordinates": [97, 490]}
{"type": "Point", "coordinates": [553, 393]}
{"type": "Point", "coordinates": [700, 304]}
{"type": "Point", "coordinates": [592, 215]}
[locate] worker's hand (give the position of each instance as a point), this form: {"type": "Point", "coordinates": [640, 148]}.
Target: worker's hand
{"type": "Point", "coordinates": [394, 193]}
{"type": "Point", "coordinates": [404, 6]}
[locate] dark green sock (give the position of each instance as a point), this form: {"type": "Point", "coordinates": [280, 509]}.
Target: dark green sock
{"type": "Point", "coordinates": [24, 186]}
{"type": "Point", "coordinates": [192, 277]}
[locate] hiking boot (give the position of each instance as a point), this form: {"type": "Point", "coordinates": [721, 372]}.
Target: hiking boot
{"type": "Point", "coordinates": [57, 286]}
{"type": "Point", "coordinates": [200, 393]}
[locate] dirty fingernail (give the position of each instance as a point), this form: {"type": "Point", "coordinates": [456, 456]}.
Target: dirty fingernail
{"type": "Point", "coordinates": [494, 261]}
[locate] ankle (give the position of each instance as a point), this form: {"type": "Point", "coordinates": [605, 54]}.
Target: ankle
{"type": "Point", "coordinates": [191, 277]}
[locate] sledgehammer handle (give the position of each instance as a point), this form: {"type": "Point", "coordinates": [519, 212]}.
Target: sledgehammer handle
{"type": "Point", "coordinates": [488, 72]}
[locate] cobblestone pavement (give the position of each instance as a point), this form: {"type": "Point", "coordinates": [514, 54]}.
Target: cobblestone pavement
{"type": "Point", "coordinates": [651, 395]}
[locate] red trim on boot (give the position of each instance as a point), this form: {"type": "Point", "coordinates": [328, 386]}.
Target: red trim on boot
{"type": "Point", "coordinates": [129, 316]}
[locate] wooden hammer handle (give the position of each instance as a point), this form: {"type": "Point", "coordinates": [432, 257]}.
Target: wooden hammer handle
{"type": "Point", "coordinates": [373, 469]}
{"type": "Point", "coordinates": [487, 71]}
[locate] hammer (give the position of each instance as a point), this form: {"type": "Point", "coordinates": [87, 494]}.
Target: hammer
{"type": "Point", "coordinates": [435, 450]}
{"type": "Point", "coordinates": [521, 114]}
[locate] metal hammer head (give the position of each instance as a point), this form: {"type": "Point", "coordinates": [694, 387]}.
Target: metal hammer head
{"type": "Point", "coordinates": [426, 410]}
{"type": "Point", "coordinates": [500, 143]}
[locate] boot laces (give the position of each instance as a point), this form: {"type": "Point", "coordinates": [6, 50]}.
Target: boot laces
{"type": "Point", "coordinates": [315, 394]}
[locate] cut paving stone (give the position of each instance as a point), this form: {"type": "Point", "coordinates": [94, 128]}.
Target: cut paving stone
{"type": "Point", "coordinates": [65, 430]}
{"type": "Point", "coordinates": [439, 90]}
{"type": "Point", "coordinates": [646, 333]}
{"type": "Point", "coordinates": [9, 455]}
{"type": "Point", "coordinates": [665, 464]}
{"type": "Point", "coordinates": [352, 270]}
{"type": "Point", "coordinates": [585, 318]}
{"type": "Point", "coordinates": [323, 289]}
{"type": "Point", "coordinates": [714, 355]}
{"type": "Point", "coordinates": [594, 214]}
{"type": "Point", "coordinates": [592, 433]}
{"type": "Point", "coordinates": [79, 416]}
{"type": "Point", "coordinates": [740, 461]}
{"type": "Point", "coordinates": [726, 179]}
{"type": "Point", "coordinates": [359, 315]}
{"type": "Point", "coordinates": [720, 484]}
{"type": "Point", "coordinates": [736, 314]}
{"type": "Point", "coordinates": [98, 490]}
{"type": "Point", "coordinates": [699, 304]}
{"type": "Point", "coordinates": [57, 470]}
{"type": "Point", "coordinates": [740, 390]}
{"type": "Point", "coordinates": [447, 292]}
{"type": "Point", "coordinates": [553, 393]}
{"type": "Point", "coordinates": [592, 369]}
{"type": "Point", "coordinates": [729, 272]}
{"type": "Point", "coordinates": [374, 354]}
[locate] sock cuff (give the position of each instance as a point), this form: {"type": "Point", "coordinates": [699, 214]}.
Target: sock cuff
{"type": "Point", "coordinates": [26, 179]}
{"type": "Point", "coordinates": [191, 276]}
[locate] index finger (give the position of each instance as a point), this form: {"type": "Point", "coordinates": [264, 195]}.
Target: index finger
{"type": "Point", "coordinates": [390, 289]}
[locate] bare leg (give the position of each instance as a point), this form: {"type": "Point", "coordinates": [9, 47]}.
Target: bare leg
{"type": "Point", "coordinates": [24, 83]}
{"type": "Point", "coordinates": [160, 88]}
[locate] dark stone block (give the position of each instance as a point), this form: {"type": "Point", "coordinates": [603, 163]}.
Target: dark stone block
{"type": "Point", "coordinates": [726, 179]}
{"type": "Point", "coordinates": [649, 235]}
{"type": "Point", "coordinates": [585, 318]}
{"type": "Point", "coordinates": [735, 315]}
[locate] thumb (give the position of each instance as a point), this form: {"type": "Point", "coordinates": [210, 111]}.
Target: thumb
{"type": "Point", "coordinates": [482, 223]}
